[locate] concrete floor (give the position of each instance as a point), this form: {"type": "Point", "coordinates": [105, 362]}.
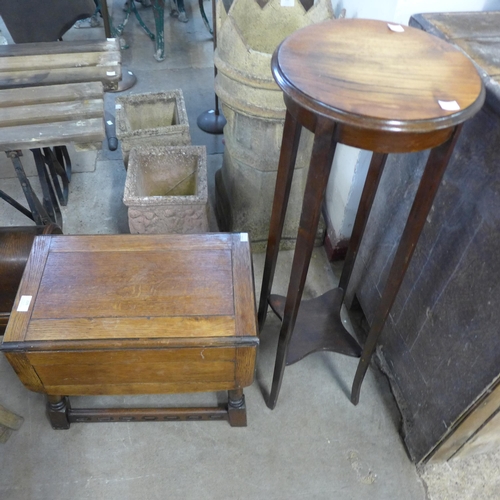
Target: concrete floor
{"type": "Point", "coordinates": [315, 444]}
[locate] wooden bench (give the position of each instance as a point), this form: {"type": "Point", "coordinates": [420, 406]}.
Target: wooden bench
{"type": "Point", "coordinates": [49, 63]}
{"type": "Point", "coordinates": [136, 314]}
{"type": "Point", "coordinates": [38, 117]}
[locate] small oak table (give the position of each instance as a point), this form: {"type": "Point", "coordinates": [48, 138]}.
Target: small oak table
{"type": "Point", "coordinates": [375, 86]}
{"type": "Point", "coordinates": [135, 314]}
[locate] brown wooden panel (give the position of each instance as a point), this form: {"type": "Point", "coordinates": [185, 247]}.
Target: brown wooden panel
{"type": "Point", "coordinates": [137, 373]}
{"type": "Point", "coordinates": [132, 284]}
{"type": "Point", "coordinates": [130, 327]}
{"type": "Point", "coordinates": [130, 389]}
{"type": "Point", "coordinates": [128, 357]}
{"type": "Point", "coordinates": [16, 329]}
{"type": "Point", "coordinates": [244, 297]}
{"type": "Point", "coordinates": [141, 242]}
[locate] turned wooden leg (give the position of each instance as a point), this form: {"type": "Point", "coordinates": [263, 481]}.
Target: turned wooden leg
{"type": "Point", "coordinates": [427, 189]}
{"type": "Point", "coordinates": [236, 408]}
{"type": "Point", "coordinates": [57, 410]}
{"type": "Point", "coordinates": [317, 179]}
{"type": "Point", "coordinates": [288, 155]}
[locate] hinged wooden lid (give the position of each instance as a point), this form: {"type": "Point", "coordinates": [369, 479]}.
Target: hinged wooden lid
{"type": "Point", "coordinates": [155, 288]}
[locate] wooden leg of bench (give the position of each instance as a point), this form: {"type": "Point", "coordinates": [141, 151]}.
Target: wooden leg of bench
{"type": "Point", "coordinates": [236, 409]}
{"type": "Point", "coordinates": [57, 410]}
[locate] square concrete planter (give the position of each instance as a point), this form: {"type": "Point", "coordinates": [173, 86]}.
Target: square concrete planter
{"type": "Point", "coordinates": [158, 119]}
{"type": "Point", "coordinates": [166, 190]}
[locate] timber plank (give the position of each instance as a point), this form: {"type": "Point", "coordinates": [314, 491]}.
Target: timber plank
{"type": "Point", "coordinates": [74, 47]}
{"type": "Point", "coordinates": [50, 94]}
{"type": "Point", "coordinates": [54, 134]}
{"type": "Point", "coordinates": [53, 112]}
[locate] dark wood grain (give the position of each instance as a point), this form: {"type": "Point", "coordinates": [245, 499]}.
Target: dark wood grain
{"type": "Point", "coordinates": [364, 75]}
{"type": "Point", "coordinates": [360, 83]}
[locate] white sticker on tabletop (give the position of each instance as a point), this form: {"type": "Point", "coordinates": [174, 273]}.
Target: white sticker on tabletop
{"type": "Point", "coordinates": [449, 105]}
{"type": "Point", "coordinates": [287, 3]}
{"type": "Point", "coordinates": [24, 303]}
{"type": "Point", "coordinates": [395, 27]}
{"type": "Point", "coordinates": [243, 236]}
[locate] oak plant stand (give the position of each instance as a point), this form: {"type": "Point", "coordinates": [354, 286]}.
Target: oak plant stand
{"type": "Point", "coordinates": [126, 314]}
{"type": "Point", "coordinates": [375, 86]}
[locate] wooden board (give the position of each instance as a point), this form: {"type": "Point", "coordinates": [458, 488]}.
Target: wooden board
{"type": "Point", "coordinates": [52, 115]}
{"type": "Point", "coordinates": [135, 314]}
{"type": "Point", "coordinates": [476, 33]}
{"type": "Point", "coordinates": [51, 63]}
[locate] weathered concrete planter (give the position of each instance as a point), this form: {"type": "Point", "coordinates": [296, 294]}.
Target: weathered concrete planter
{"type": "Point", "coordinates": [152, 120]}
{"type": "Point", "coordinates": [166, 190]}
{"type": "Point", "coordinates": [253, 106]}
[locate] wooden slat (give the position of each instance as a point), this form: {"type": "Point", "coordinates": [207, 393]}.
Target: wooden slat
{"type": "Point", "coordinates": [129, 328]}
{"type": "Point", "coordinates": [52, 112]}
{"type": "Point", "coordinates": [60, 75]}
{"type": "Point", "coordinates": [75, 47]}
{"type": "Point", "coordinates": [244, 298]}
{"type": "Point", "coordinates": [50, 94]}
{"type": "Point", "coordinates": [9, 419]}
{"type": "Point", "coordinates": [55, 134]}
{"type": "Point", "coordinates": [49, 62]}
{"type": "Point", "coordinates": [123, 344]}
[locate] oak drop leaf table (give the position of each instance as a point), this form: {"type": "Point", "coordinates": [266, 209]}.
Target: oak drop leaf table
{"type": "Point", "coordinates": [135, 314]}
{"type": "Point", "coordinates": [376, 86]}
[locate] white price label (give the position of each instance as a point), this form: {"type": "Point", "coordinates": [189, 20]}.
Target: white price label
{"type": "Point", "coordinates": [24, 303]}
{"type": "Point", "coordinates": [396, 27]}
{"type": "Point", "coordinates": [449, 105]}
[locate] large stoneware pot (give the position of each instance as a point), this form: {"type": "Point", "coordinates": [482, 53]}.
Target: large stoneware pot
{"type": "Point", "coordinates": [248, 33]}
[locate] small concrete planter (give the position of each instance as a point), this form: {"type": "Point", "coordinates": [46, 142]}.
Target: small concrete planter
{"type": "Point", "coordinates": [158, 119]}
{"type": "Point", "coordinates": [166, 190]}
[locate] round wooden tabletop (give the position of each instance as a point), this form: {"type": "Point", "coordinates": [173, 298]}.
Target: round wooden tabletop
{"type": "Point", "coordinates": [378, 76]}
